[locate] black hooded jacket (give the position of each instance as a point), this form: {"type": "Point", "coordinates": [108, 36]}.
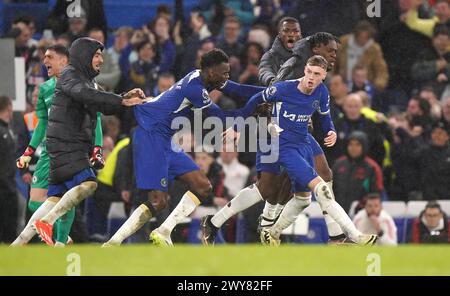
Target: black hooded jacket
{"type": "Point", "coordinates": [294, 67]}
{"type": "Point", "coordinates": [356, 177]}
{"type": "Point", "coordinates": [72, 118]}
{"type": "Point", "coordinates": [271, 62]}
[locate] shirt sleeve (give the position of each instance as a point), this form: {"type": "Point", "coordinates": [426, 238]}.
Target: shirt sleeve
{"type": "Point", "coordinates": [99, 131]}
{"type": "Point", "coordinates": [272, 93]}
{"type": "Point", "coordinates": [326, 121]}
{"type": "Point", "coordinates": [240, 91]}
{"type": "Point", "coordinates": [197, 95]}
{"type": "Point", "coordinates": [42, 114]}
{"type": "Point", "coordinates": [324, 107]}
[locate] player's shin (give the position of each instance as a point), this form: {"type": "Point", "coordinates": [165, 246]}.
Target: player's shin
{"type": "Point", "coordinates": [185, 207]}
{"type": "Point", "coordinates": [137, 219]}
{"type": "Point", "coordinates": [28, 232]}
{"type": "Point", "coordinates": [324, 196]}
{"type": "Point", "coordinates": [245, 198]}
{"type": "Point", "coordinates": [289, 214]}
{"type": "Point", "coordinates": [334, 230]}
{"type": "Point", "coordinates": [69, 200]}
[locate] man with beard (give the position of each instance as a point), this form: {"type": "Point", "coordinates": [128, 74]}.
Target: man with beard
{"type": "Point", "coordinates": [71, 122]}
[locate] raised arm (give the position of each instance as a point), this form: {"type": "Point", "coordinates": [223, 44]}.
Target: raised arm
{"type": "Point", "coordinates": [240, 91]}
{"type": "Point", "coordinates": [325, 118]}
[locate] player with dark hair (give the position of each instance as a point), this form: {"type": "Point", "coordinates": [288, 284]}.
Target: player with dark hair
{"type": "Point", "coordinates": [157, 162]}
{"type": "Point", "coordinates": [289, 32]}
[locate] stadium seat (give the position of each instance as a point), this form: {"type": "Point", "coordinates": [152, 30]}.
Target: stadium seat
{"type": "Point", "coordinates": [397, 209]}
{"type": "Point", "coordinates": [413, 209]}
{"type": "Point", "coordinates": [445, 205]}
{"type": "Point", "coordinates": [309, 228]}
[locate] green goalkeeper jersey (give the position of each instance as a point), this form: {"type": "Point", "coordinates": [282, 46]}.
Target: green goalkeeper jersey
{"type": "Point", "coordinates": [44, 103]}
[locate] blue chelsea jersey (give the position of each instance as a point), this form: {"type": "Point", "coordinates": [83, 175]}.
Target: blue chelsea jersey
{"type": "Point", "coordinates": [157, 114]}
{"type": "Point", "coordinates": [293, 109]}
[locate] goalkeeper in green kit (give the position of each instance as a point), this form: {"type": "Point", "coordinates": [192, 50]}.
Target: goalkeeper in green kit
{"type": "Point", "coordinates": [55, 59]}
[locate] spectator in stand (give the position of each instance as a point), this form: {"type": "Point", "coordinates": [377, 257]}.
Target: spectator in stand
{"type": "Point", "coordinates": [144, 72]}
{"type": "Point", "coordinates": [111, 126]}
{"type": "Point", "coordinates": [269, 13]}
{"type": "Point", "coordinates": [165, 81]}
{"type": "Point", "coordinates": [165, 47]}
{"type": "Point", "coordinates": [21, 33]}
{"type": "Point", "coordinates": [77, 26]}
{"type": "Point", "coordinates": [130, 55]}
{"type": "Point", "coordinates": [432, 65]}
{"type": "Point", "coordinates": [231, 45]}
{"type": "Point", "coordinates": [63, 39]}
{"type": "Point", "coordinates": [435, 165]}
{"type": "Point", "coordinates": [242, 9]}
{"type": "Point", "coordinates": [359, 81]}
{"type": "Point", "coordinates": [250, 61]}
{"type": "Point", "coordinates": [260, 34]}
{"type": "Point", "coordinates": [355, 173]}
{"type": "Point", "coordinates": [236, 174]}
{"type": "Point", "coordinates": [213, 170]}
{"type": "Point", "coordinates": [374, 220]}
{"type": "Point", "coordinates": [409, 134]}
{"type": "Point", "coordinates": [426, 26]}
{"type": "Point", "coordinates": [360, 48]}
{"type": "Point", "coordinates": [338, 92]}
{"type": "Point", "coordinates": [122, 38]}
{"type": "Point", "coordinates": [429, 94]}
{"type": "Point", "coordinates": [419, 117]}
{"type": "Point", "coordinates": [31, 27]}
{"type": "Point", "coordinates": [432, 226]}
{"type": "Point", "coordinates": [109, 73]}
{"type": "Point", "coordinates": [205, 46]}
{"type": "Point", "coordinates": [200, 32]}
{"type": "Point", "coordinates": [352, 120]}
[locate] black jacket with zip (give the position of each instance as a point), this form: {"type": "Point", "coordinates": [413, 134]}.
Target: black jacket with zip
{"type": "Point", "coordinates": [72, 118]}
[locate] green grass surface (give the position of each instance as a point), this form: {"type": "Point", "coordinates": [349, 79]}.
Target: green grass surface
{"type": "Point", "coordinates": [225, 260]}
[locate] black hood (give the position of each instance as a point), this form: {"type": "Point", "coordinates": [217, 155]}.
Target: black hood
{"type": "Point", "coordinates": [81, 53]}
{"type": "Point", "coordinates": [361, 137]}
{"type": "Point", "coordinates": [278, 48]}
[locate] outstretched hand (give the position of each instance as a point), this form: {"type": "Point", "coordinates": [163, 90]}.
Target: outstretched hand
{"type": "Point", "coordinates": [135, 92]}
{"type": "Point", "coordinates": [330, 139]}
{"type": "Point", "coordinates": [132, 101]}
{"type": "Point", "coordinates": [134, 97]}
{"type": "Point", "coordinates": [230, 136]}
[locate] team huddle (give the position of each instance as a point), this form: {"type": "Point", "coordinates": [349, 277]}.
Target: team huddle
{"type": "Point", "coordinates": [70, 105]}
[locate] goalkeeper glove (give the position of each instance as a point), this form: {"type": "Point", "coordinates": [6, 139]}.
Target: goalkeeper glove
{"type": "Point", "coordinates": [97, 161]}
{"type": "Point", "coordinates": [23, 161]}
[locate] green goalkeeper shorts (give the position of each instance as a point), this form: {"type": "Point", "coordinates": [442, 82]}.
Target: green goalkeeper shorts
{"type": "Point", "coordinates": [40, 176]}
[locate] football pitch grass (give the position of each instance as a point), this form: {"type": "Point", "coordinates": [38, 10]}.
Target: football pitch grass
{"type": "Point", "coordinates": [237, 260]}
